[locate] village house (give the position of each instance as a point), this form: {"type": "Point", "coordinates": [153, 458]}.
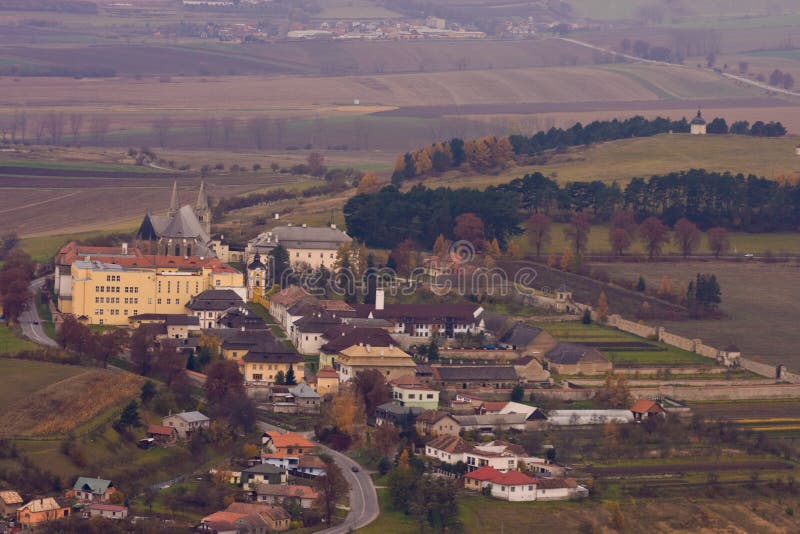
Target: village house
{"type": "Point", "coordinates": [437, 423]}
{"type": "Point", "coordinates": [345, 335]}
{"type": "Point", "coordinates": [576, 359]}
{"type": "Point", "coordinates": [304, 496]}
{"type": "Point", "coordinates": [210, 305]}
{"type": "Point", "coordinates": [92, 490]}
{"type": "Point", "coordinates": [186, 423]}
{"type": "Point", "coordinates": [286, 443]}
{"type": "Point", "coordinates": [261, 474]}
{"type": "Point", "coordinates": [277, 518]}
{"type": "Point", "coordinates": [107, 511]}
{"type": "Point", "coordinates": [391, 361]}
{"type": "Point", "coordinates": [306, 400]}
{"type": "Point", "coordinates": [326, 381]}
{"type": "Point", "coordinates": [40, 511]}
{"type": "Point", "coordinates": [407, 391]}
{"type": "Point", "coordinates": [261, 364]}
{"type": "Point", "coordinates": [308, 332]}
{"type": "Point", "coordinates": [245, 518]}
{"type": "Point", "coordinates": [9, 502]}
{"type": "Point", "coordinates": [447, 448]}
{"type": "Point", "coordinates": [519, 487]}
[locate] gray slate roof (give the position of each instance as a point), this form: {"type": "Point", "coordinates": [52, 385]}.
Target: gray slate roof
{"type": "Point", "coordinates": [573, 353]}
{"type": "Point", "coordinates": [521, 335]}
{"type": "Point", "coordinates": [216, 300]}
{"type": "Point", "coordinates": [192, 417]}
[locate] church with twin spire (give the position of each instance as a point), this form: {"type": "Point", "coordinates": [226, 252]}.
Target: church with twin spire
{"type": "Point", "coordinates": [184, 231]}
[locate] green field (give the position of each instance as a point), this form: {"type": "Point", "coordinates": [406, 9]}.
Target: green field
{"type": "Point", "coordinates": [22, 377]}
{"type": "Point", "coordinates": [573, 331]}
{"type": "Point", "coordinates": [10, 343]}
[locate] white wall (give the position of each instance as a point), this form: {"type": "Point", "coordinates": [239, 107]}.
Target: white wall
{"type": "Point", "coordinates": [514, 493]}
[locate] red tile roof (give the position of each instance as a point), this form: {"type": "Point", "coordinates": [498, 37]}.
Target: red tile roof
{"type": "Point", "coordinates": [646, 406]}
{"type": "Point", "coordinates": [483, 474]}
{"type": "Point", "coordinates": [327, 372]}
{"type": "Point", "coordinates": [161, 430]}
{"type": "Point", "coordinates": [451, 444]}
{"type": "Point", "coordinates": [494, 406]}
{"type": "Point", "coordinates": [513, 478]}
{"type": "Point", "coordinates": [289, 439]}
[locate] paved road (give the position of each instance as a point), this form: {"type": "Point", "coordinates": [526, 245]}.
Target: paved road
{"type": "Point", "coordinates": [364, 507]}
{"type": "Point", "coordinates": [29, 317]}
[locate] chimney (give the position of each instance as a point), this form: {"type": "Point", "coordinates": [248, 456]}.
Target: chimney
{"type": "Point", "coordinates": [381, 353]}
{"type": "Point", "coordinates": [333, 226]}
{"type": "Point", "coordinates": [243, 329]}
{"type": "Point", "coordinates": [276, 216]}
{"type": "Point", "coordinates": [125, 248]}
{"type": "Point", "coordinates": [379, 299]}
{"type": "Point", "coordinates": [369, 348]}
{"type": "Point", "coordinates": [305, 225]}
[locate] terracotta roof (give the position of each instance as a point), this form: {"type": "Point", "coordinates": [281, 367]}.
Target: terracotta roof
{"type": "Point", "coordinates": [494, 406]}
{"type": "Point", "coordinates": [646, 406]}
{"type": "Point", "coordinates": [409, 379]}
{"type": "Point", "coordinates": [161, 430]}
{"type": "Point", "coordinates": [276, 513]}
{"type": "Point", "coordinates": [335, 305]}
{"type": "Point", "coordinates": [483, 473]}
{"type": "Point", "coordinates": [311, 460]}
{"type": "Point", "coordinates": [41, 505]}
{"type": "Point", "coordinates": [369, 351]}
{"type": "Point", "coordinates": [289, 439]}
{"type": "Point", "coordinates": [327, 372]}
{"type": "Point", "coordinates": [288, 296]}
{"type": "Point", "coordinates": [224, 517]}
{"type": "Point", "coordinates": [513, 478]}
{"type": "Point", "coordinates": [451, 444]}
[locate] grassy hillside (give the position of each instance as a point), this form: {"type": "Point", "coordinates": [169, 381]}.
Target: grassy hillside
{"type": "Point", "coordinates": [622, 160]}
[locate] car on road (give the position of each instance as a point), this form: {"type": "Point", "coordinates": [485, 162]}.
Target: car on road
{"type": "Point", "coordinates": [355, 469]}
{"type": "Point", "coordinates": [35, 322]}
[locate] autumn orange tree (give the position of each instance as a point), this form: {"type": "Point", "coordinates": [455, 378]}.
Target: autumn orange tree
{"type": "Point", "coordinates": [577, 232]}
{"type": "Point", "coordinates": [687, 236]}
{"type": "Point", "coordinates": [602, 307]}
{"type": "Point", "coordinates": [538, 230]}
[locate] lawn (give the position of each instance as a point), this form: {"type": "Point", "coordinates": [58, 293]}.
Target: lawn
{"type": "Point", "coordinates": [391, 520]}
{"type": "Point", "coordinates": [10, 343]}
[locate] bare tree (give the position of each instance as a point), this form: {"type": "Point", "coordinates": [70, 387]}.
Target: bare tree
{"type": "Point", "coordinates": [99, 128]}
{"type": "Point", "coordinates": [209, 127]}
{"type": "Point", "coordinates": [18, 125]}
{"type": "Point", "coordinates": [75, 123]}
{"type": "Point", "coordinates": [228, 128]}
{"type": "Point", "coordinates": [258, 128]}
{"type": "Point", "coordinates": [161, 128]}
{"type": "Point", "coordinates": [40, 128]}
{"type": "Point", "coordinates": [280, 132]}
{"type": "Point", "coordinates": [55, 126]}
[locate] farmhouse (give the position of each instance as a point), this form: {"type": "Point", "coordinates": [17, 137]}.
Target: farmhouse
{"type": "Point", "coordinates": [400, 416]}
{"type": "Point", "coordinates": [343, 336]}
{"type": "Point", "coordinates": [186, 423]}
{"type": "Point", "coordinates": [407, 391]}
{"type": "Point", "coordinates": [437, 423]}
{"type": "Point", "coordinates": [286, 443]}
{"type": "Point", "coordinates": [447, 448]}
{"type": "Point", "coordinates": [577, 359]}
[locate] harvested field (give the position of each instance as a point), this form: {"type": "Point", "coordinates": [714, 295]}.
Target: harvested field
{"type": "Point", "coordinates": [64, 404]}
{"type": "Point", "coordinates": [21, 377]}
{"type": "Point", "coordinates": [765, 304]}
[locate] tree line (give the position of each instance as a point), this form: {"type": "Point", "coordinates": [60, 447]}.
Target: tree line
{"type": "Point", "coordinates": [491, 152]}
{"type": "Point", "coordinates": [389, 216]}
{"type": "Point", "coordinates": [709, 199]}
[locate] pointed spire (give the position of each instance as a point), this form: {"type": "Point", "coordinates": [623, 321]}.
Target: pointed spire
{"type": "Point", "coordinates": [174, 206]}
{"type": "Point", "coordinates": [202, 198]}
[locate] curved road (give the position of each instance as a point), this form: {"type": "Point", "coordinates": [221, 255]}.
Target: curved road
{"type": "Point", "coordinates": [364, 507]}
{"type": "Point", "coordinates": [29, 320]}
